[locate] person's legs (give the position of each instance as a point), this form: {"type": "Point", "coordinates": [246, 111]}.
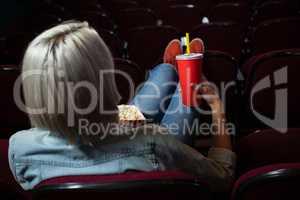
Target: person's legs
{"type": "Point", "coordinates": [180, 119]}
{"type": "Point", "coordinates": [154, 96]}
{"type": "Point", "coordinates": [158, 100]}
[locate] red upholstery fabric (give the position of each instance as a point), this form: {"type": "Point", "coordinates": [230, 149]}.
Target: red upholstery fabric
{"type": "Point", "coordinates": [268, 147]}
{"type": "Point", "coordinates": [130, 176]}
{"type": "Point", "coordinates": [261, 189]}
{"type": "Point", "coordinates": [131, 186]}
{"type": "Point", "coordinates": [247, 66]}
{"type": "Point", "coordinates": [265, 169]}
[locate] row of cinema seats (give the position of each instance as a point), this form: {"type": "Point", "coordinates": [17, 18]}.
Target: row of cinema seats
{"type": "Point", "coordinates": [129, 35]}
{"type": "Point", "coordinates": [221, 36]}
{"type": "Point", "coordinates": [144, 45]}
{"type": "Point", "coordinates": [268, 167]}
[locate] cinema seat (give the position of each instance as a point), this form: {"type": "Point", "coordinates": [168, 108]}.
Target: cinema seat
{"type": "Point", "coordinates": [128, 70]}
{"type": "Point", "coordinates": [158, 6]}
{"type": "Point", "coordinates": [131, 185]}
{"type": "Point", "coordinates": [234, 12]}
{"type": "Point", "coordinates": [276, 182]}
{"type": "Point", "coordinates": [275, 35]}
{"type": "Point", "coordinates": [219, 66]}
{"type": "Point", "coordinates": [269, 10]}
{"type": "Point", "coordinates": [9, 188]}
{"type": "Point", "coordinates": [267, 147]}
{"type": "Point", "coordinates": [147, 44]}
{"type": "Point", "coordinates": [279, 70]}
{"type": "Point", "coordinates": [204, 6]}
{"type": "Point", "coordinates": [183, 17]}
{"type": "Point", "coordinates": [132, 18]}
{"type": "Point", "coordinates": [223, 36]}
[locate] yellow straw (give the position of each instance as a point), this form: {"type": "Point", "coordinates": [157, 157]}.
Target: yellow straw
{"type": "Point", "coordinates": [188, 50]}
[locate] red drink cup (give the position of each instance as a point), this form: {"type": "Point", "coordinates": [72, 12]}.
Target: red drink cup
{"type": "Point", "coordinates": [189, 70]}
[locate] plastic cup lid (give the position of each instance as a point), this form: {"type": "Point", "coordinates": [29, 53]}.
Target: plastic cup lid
{"type": "Point", "coordinates": [192, 56]}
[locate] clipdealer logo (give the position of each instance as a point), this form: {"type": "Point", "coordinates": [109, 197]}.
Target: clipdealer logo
{"type": "Point", "coordinates": [280, 80]}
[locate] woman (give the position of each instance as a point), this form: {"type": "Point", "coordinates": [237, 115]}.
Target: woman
{"type": "Point", "coordinates": [65, 81]}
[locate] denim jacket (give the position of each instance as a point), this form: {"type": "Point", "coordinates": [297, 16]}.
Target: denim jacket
{"type": "Point", "coordinates": [37, 154]}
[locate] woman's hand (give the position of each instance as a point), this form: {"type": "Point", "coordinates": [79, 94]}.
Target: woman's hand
{"type": "Point", "coordinates": [208, 92]}
{"type": "Point", "coordinates": [221, 138]}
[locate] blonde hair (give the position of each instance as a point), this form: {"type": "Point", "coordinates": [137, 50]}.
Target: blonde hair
{"type": "Point", "coordinates": [58, 59]}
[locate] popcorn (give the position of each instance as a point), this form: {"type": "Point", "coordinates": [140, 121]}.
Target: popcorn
{"type": "Point", "coordinates": [130, 113]}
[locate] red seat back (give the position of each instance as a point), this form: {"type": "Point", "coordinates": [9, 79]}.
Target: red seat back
{"type": "Point", "coordinates": [267, 147]}
{"type": "Point", "coordinates": [183, 17]}
{"type": "Point", "coordinates": [275, 35]}
{"type": "Point", "coordinates": [234, 12]}
{"type": "Point", "coordinates": [279, 70]}
{"type": "Point", "coordinates": [276, 182]}
{"type": "Point", "coordinates": [133, 185]}
{"type": "Point", "coordinates": [230, 42]}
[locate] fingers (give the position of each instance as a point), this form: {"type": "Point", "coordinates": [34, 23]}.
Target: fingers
{"type": "Point", "coordinates": [207, 88]}
{"type": "Point", "coordinates": [208, 92]}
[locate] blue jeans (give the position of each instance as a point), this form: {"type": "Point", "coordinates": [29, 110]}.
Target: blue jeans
{"type": "Point", "coordinates": [159, 99]}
